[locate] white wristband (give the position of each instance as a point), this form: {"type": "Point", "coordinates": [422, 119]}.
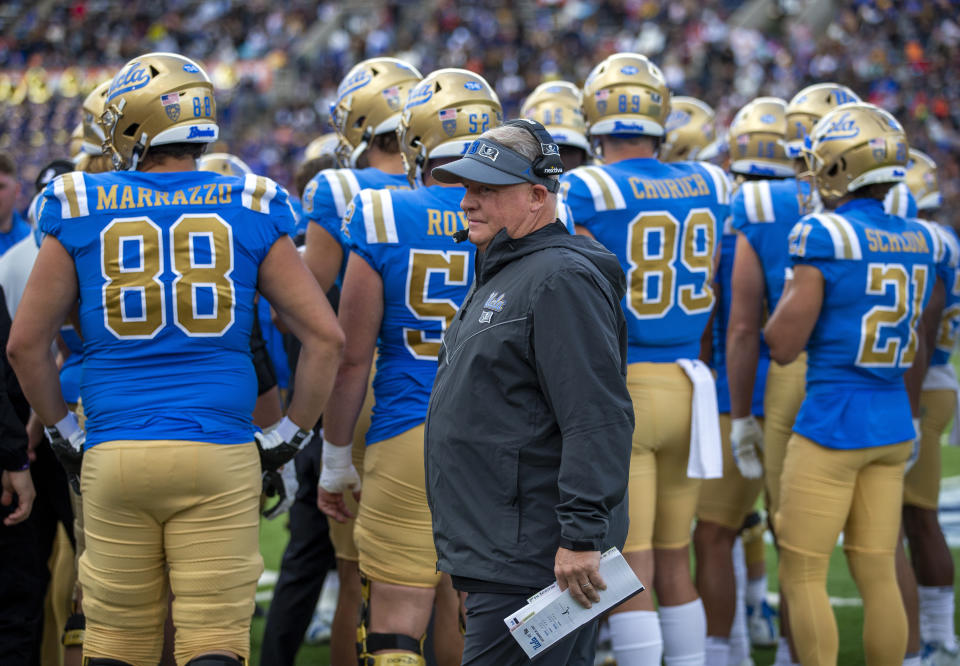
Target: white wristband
{"type": "Point", "coordinates": [68, 425]}
{"type": "Point", "coordinates": [337, 457]}
{"type": "Point", "coordinates": [287, 429]}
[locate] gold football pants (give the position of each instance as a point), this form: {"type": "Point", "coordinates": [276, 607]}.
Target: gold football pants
{"type": "Point", "coordinates": [189, 510]}
{"type": "Point", "coordinates": [394, 530]}
{"type": "Point", "coordinates": [728, 500]}
{"type": "Point", "coordinates": [786, 388]}
{"type": "Point", "coordinates": [857, 491]}
{"type": "Point", "coordinates": [663, 499]}
{"type": "Point", "coordinates": [921, 486]}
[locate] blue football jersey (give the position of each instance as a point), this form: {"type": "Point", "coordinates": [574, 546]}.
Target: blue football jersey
{"type": "Point", "coordinates": [718, 361]}
{"type": "Point", "coordinates": [406, 237]}
{"type": "Point", "coordinates": [167, 267]}
{"type": "Point", "coordinates": [878, 272]}
{"type": "Point", "coordinates": [663, 222]}
{"type": "Point", "coordinates": [765, 211]}
{"type": "Point", "coordinates": [948, 271]}
{"type": "Point", "coordinates": [327, 195]}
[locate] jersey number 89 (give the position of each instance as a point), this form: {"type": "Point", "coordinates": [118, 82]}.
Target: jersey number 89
{"type": "Point", "coordinates": [656, 243]}
{"type": "Point", "coordinates": [133, 254]}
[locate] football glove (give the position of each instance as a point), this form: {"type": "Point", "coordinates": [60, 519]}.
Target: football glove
{"type": "Point", "coordinates": [915, 452]}
{"type": "Point", "coordinates": [66, 439]}
{"type": "Point", "coordinates": [283, 485]}
{"type": "Point", "coordinates": [280, 442]}
{"type": "Point", "coordinates": [338, 474]}
{"type": "Point", "coordinates": [746, 440]}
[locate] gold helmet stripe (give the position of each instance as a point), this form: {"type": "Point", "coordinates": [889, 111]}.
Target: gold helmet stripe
{"type": "Point", "coordinates": [606, 194]}
{"type": "Point", "coordinates": [258, 192]}
{"type": "Point", "coordinates": [71, 190]}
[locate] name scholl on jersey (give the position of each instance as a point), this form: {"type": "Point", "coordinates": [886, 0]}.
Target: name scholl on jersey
{"type": "Point", "coordinates": [495, 302]}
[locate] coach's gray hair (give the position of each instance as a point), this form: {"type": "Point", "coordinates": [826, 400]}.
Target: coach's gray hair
{"type": "Point", "coordinates": [517, 139]}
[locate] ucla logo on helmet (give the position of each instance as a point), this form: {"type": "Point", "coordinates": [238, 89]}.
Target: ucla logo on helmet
{"type": "Point", "coordinates": [473, 85]}
{"type": "Point", "coordinates": [132, 78]}
{"type": "Point", "coordinates": [190, 68]}
{"type": "Point", "coordinates": [843, 127]}
{"type": "Point", "coordinates": [677, 118]}
{"type": "Point", "coordinates": [419, 95]}
{"type": "Point", "coordinates": [629, 70]}
{"type": "Point", "coordinates": [353, 83]}
{"type": "Point", "coordinates": [768, 119]}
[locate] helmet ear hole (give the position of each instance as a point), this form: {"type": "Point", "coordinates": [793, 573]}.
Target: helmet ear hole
{"type": "Point", "coordinates": [131, 129]}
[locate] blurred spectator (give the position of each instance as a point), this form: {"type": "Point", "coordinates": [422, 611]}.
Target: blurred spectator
{"type": "Point", "coordinates": [276, 65]}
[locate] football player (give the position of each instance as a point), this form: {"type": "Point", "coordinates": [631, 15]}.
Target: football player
{"type": "Point", "coordinates": [861, 278]}
{"type": "Point", "coordinates": [557, 104]}
{"type": "Point", "coordinates": [663, 222]}
{"type": "Point", "coordinates": [725, 502]}
{"type": "Point", "coordinates": [165, 261]}
{"type": "Point", "coordinates": [365, 116]}
{"type": "Point", "coordinates": [405, 280]}
{"type": "Point", "coordinates": [268, 408]}
{"type": "Point", "coordinates": [930, 556]}
{"type": "Point", "coordinates": [763, 211]}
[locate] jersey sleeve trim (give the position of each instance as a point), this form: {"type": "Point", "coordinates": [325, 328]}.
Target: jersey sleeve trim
{"type": "Point", "coordinates": [939, 248]}
{"type": "Point", "coordinates": [71, 190]}
{"type": "Point", "coordinates": [343, 186]}
{"type": "Point", "coordinates": [258, 192]}
{"type": "Point", "coordinates": [897, 201]}
{"type": "Point", "coordinates": [720, 182]}
{"type": "Point", "coordinates": [606, 195]}
{"type": "Point", "coordinates": [846, 244]}
{"type": "Point", "coordinates": [758, 201]}
{"type": "Point", "coordinates": [378, 219]}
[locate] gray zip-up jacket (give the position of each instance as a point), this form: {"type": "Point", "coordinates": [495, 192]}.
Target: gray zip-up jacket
{"type": "Point", "coordinates": [530, 425]}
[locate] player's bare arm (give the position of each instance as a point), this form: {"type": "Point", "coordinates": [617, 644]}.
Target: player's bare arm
{"type": "Point", "coordinates": [290, 287]}
{"type": "Point", "coordinates": [361, 311]}
{"type": "Point", "coordinates": [792, 322]}
{"type": "Point", "coordinates": [48, 298]}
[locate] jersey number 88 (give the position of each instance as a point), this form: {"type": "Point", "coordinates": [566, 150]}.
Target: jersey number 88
{"type": "Point", "coordinates": [133, 255]}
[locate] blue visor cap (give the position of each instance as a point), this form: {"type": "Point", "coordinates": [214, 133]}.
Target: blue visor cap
{"type": "Point", "coordinates": [492, 163]}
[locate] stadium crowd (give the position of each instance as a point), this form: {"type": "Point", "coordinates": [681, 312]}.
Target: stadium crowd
{"type": "Point", "coordinates": [731, 175]}
{"type": "Point", "coordinates": [902, 55]}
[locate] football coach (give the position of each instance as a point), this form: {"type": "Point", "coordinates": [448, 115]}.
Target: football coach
{"type": "Point", "coordinates": [529, 429]}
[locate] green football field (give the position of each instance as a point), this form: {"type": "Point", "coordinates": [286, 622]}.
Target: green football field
{"type": "Point", "coordinates": [273, 538]}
